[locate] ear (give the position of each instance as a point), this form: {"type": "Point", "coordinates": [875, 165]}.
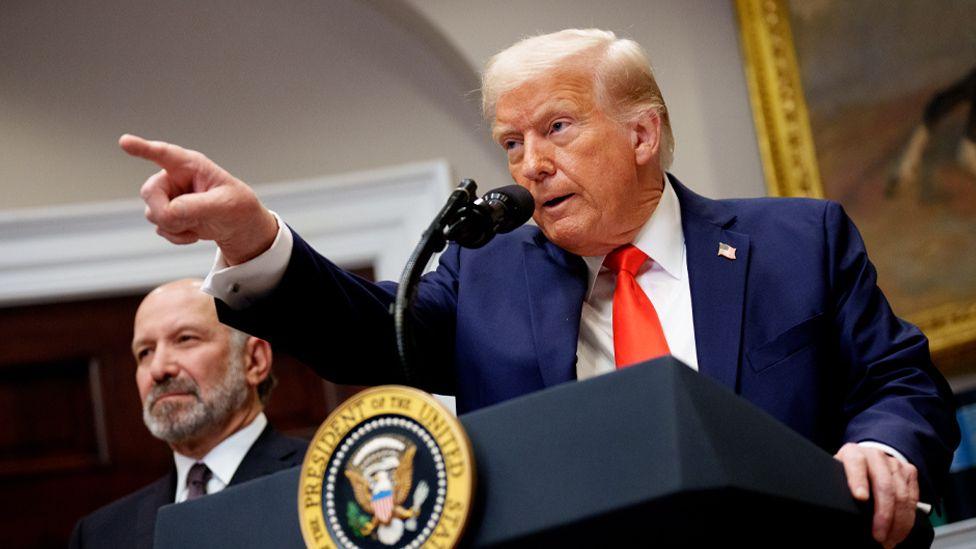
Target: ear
{"type": "Point", "coordinates": [257, 360]}
{"type": "Point", "coordinates": [645, 136]}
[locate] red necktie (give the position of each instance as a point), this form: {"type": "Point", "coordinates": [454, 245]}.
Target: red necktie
{"type": "Point", "coordinates": [637, 332]}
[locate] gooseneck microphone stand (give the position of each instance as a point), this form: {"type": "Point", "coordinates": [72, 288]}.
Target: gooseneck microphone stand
{"type": "Point", "coordinates": [433, 240]}
{"type": "Point", "coordinates": [468, 221]}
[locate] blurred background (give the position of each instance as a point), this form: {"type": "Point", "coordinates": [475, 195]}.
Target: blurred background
{"type": "Point", "coordinates": [352, 118]}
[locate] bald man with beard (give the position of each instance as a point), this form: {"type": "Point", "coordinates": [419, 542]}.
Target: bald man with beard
{"type": "Point", "coordinates": [203, 388]}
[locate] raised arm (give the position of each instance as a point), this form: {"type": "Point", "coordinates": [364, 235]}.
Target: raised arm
{"type": "Point", "coordinates": [191, 198]}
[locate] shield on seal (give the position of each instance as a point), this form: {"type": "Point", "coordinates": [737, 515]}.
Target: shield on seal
{"type": "Point", "coordinates": [383, 505]}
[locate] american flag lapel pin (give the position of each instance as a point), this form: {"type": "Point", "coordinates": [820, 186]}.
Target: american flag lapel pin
{"type": "Point", "coordinates": [726, 251]}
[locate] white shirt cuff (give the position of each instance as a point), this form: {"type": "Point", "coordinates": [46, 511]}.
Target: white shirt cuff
{"type": "Point", "coordinates": [884, 448]}
{"type": "Point", "coordinates": [239, 286]}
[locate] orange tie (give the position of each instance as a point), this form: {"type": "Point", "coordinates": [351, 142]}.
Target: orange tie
{"type": "Point", "coordinates": [637, 332]}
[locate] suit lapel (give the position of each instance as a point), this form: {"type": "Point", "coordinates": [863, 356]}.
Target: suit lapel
{"type": "Point", "coordinates": [718, 284]}
{"type": "Point", "coordinates": [270, 453]}
{"type": "Point", "coordinates": [556, 282]}
{"type": "Point", "coordinates": [163, 493]}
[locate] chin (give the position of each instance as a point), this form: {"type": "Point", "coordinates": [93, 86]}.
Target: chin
{"type": "Point", "coordinates": [569, 241]}
{"type": "Point", "coordinates": [581, 244]}
{"type": "Point", "coordinates": [575, 235]}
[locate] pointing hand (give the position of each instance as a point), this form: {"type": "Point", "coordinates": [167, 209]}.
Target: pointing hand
{"type": "Point", "coordinates": [191, 198]}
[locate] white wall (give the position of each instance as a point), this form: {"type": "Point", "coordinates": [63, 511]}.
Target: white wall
{"type": "Point", "coordinates": [273, 94]}
{"type": "Point", "coordinates": [321, 87]}
{"type": "Point", "coordinates": [693, 45]}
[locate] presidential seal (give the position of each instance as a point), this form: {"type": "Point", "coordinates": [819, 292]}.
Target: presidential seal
{"type": "Point", "coordinates": [391, 467]}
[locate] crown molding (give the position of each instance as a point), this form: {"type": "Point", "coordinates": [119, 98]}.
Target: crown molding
{"type": "Point", "coordinates": [103, 249]}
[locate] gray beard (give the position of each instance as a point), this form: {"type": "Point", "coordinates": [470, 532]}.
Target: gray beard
{"type": "Point", "coordinates": [176, 422]}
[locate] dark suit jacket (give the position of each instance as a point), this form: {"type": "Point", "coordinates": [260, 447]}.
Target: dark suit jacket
{"type": "Point", "coordinates": [131, 521]}
{"type": "Point", "coordinates": [796, 324]}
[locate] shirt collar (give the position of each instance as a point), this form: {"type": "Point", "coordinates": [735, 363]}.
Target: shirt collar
{"type": "Point", "coordinates": [226, 457]}
{"type": "Point", "coordinates": [661, 238]}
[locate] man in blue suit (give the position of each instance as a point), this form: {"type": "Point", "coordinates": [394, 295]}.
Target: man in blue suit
{"type": "Point", "coordinates": [776, 299]}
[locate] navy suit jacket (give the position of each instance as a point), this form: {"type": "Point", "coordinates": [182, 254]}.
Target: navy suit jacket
{"type": "Point", "coordinates": [131, 521]}
{"type": "Point", "coordinates": [795, 324]}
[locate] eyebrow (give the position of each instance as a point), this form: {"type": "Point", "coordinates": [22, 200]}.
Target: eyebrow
{"type": "Point", "coordinates": [179, 328]}
{"type": "Point", "coordinates": [546, 111]}
{"type": "Point", "coordinates": [497, 132]}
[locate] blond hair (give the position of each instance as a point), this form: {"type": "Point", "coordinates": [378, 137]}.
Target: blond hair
{"type": "Point", "coordinates": [622, 75]}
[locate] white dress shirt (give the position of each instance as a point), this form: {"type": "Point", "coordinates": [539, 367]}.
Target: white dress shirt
{"type": "Point", "coordinates": [664, 278]}
{"type": "Point", "coordinates": [222, 461]}
{"type": "Point", "coordinates": [240, 285]}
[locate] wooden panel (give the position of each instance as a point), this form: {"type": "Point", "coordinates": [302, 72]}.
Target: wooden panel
{"type": "Point", "coordinates": [48, 351]}
{"type": "Point", "coordinates": [73, 438]}
{"type": "Point", "coordinates": [56, 410]}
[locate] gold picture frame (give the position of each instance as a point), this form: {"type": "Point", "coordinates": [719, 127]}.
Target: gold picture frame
{"type": "Point", "coordinates": [789, 158]}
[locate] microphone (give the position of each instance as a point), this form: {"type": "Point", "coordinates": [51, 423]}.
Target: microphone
{"type": "Point", "coordinates": [499, 211]}
{"type": "Point", "coordinates": [467, 220]}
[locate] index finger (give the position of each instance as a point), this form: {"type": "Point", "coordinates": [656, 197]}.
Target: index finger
{"type": "Point", "coordinates": [166, 155]}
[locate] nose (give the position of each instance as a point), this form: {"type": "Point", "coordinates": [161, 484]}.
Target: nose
{"type": "Point", "coordinates": [537, 162]}
{"type": "Point", "coordinates": [164, 364]}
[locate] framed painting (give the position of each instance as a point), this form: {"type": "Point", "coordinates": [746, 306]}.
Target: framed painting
{"type": "Point", "coordinates": [870, 103]}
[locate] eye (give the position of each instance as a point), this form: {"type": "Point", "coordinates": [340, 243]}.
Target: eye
{"type": "Point", "coordinates": [509, 144]}
{"type": "Point", "coordinates": [142, 353]}
{"type": "Point", "coordinates": [183, 338]}
{"type": "Point", "coordinates": [558, 126]}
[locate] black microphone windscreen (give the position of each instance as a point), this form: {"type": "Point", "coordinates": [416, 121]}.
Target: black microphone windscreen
{"type": "Point", "coordinates": [518, 206]}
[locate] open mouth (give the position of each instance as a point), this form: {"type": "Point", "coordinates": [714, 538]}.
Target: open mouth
{"type": "Point", "coordinates": [556, 201]}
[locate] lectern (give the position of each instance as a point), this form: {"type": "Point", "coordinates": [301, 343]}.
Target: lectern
{"type": "Point", "coordinates": [654, 454]}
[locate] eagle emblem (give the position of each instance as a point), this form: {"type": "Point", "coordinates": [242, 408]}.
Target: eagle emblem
{"type": "Point", "coordinates": [381, 475]}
